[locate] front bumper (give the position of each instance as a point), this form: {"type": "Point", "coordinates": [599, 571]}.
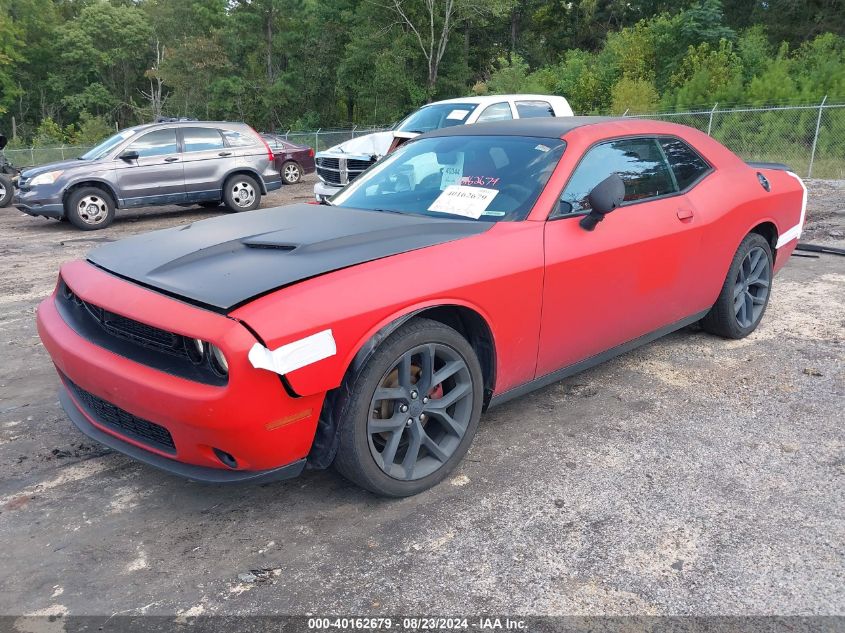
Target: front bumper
{"type": "Point", "coordinates": [322, 191]}
{"type": "Point", "coordinates": [35, 202]}
{"type": "Point", "coordinates": [272, 182]}
{"type": "Point", "coordinates": [251, 417]}
{"type": "Point", "coordinates": [197, 473]}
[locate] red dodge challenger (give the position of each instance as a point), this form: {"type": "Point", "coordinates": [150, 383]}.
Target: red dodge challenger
{"type": "Point", "coordinates": [469, 267]}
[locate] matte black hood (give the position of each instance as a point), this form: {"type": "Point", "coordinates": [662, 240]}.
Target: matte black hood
{"type": "Point", "coordinates": [226, 261]}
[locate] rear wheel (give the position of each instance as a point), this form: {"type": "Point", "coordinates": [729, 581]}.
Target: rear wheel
{"type": "Point", "coordinates": [291, 173]}
{"type": "Point", "coordinates": [745, 293]}
{"type": "Point", "coordinates": [89, 208]}
{"type": "Point", "coordinates": [241, 193]}
{"type": "Point", "coordinates": [411, 411]}
{"type": "Point", "coordinates": [7, 190]}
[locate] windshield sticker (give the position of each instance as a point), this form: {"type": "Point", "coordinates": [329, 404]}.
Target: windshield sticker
{"type": "Point", "coordinates": [452, 174]}
{"type": "Point", "coordinates": [479, 181]}
{"type": "Point", "coordinates": [495, 214]}
{"type": "Point", "coordinates": [457, 115]}
{"type": "Point", "coordinates": [543, 148]}
{"type": "Point", "coordinates": [469, 202]}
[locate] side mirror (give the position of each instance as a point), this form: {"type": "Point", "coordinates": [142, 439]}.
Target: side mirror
{"type": "Point", "coordinates": [130, 154]}
{"type": "Point", "coordinates": [604, 198]}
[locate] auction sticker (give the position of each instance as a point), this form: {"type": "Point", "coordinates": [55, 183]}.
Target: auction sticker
{"type": "Point", "coordinates": [469, 202]}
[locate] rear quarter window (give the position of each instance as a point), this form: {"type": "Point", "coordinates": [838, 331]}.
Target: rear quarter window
{"type": "Point", "coordinates": [685, 162]}
{"type": "Point", "coordinates": [236, 138]}
{"type": "Point", "coordinates": [534, 109]}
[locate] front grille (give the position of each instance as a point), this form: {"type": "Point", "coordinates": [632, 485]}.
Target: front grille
{"type": "Point", "coordinates": [354, 165]}
{"type": "Point", "coordinates": [329, 163]}
{"type": "Point", "coordinates": [142, 343]}
{"type": "Point", "coordinates": [328, 169]}
{"type": "Point", "coordinates": [340, 171]}
{"type": "Point", "coordinates": [113, 417]}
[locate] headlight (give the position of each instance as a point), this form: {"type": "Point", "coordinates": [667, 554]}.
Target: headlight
{"type": "Point", "coordinates": [195, 349]}
{"type": "Point", "coordinates": [218, 361]}
{"type": "Point", "coordinates": [47, 178]}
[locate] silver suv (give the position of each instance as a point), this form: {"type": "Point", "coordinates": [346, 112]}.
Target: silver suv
{"type": "Point", "coordinates": [181, 162]}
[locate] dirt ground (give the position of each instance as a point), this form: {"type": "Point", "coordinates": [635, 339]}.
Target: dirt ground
{"type": "Point", "coordinates": [693, 476]}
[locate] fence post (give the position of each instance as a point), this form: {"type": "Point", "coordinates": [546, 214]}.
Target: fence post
{"type": "Point", "coordinates": [32, 156]}
{"type": "Point", "coordinates": [62, 148]}
{"type": "Point", "coordinates": [286, 134]}
{"type": "Point", "coordinates": [626, 112]}
{"type": "Point", "coordinates": [710, 122]}
{"type": "Point", "coordinates": [317, 139]}
{"type": "Point", "coordinates": [816, 138]}
{"type": "Point", "coordinates": [354, 127]}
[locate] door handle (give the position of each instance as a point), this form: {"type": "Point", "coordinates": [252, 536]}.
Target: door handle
{"type": "Point", "coordinates": [225, 154]}
{"type": "Point", "coordinates": [685, 214]}
{"type": "Point", "coordinates": [170, 159]}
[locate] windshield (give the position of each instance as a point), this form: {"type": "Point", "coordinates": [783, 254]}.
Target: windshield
{"type": "Point", "coordinates": [434, 117]}
{"type": "Point", "coordinates": [108, 145]}
{"type": "Point", "coordinates": [488, 178]}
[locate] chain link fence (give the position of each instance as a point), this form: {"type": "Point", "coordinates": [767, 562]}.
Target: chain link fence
{"type": "Point", "coordinates": [810, 138]}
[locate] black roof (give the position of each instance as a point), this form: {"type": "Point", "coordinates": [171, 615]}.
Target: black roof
{"type": "Point", "coordinates": [545, 127]}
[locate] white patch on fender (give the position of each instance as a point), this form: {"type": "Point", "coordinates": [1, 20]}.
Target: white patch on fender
{"type": "Point", "coordinates": [795, 232]}
{"type": "Point", "coordinates": [296, 355]}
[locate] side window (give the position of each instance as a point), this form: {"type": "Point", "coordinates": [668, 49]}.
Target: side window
{"type": "Point", "coordinates": [496, 112]}
{"type": "Point", "coordinates": [639, 162]}
{"type": "Point", "coordinates": [157, 143]}
{"type": "Point", "coordinates": [201, 139]}
{"type": "Point", "coordinates": [239, 139]}
{"type": "Point", "coordinates": [533, 109]}
{"type": "Point", "coordinates": [685, 162]}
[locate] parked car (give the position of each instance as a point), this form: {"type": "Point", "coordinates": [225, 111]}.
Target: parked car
{"type": "Point", "coordinates": [341, 164]}
{"type": "Point", "coordinates": [292, 161]}
{"type": "Point", "coordinates": [175, 162]}
{"type": "Point", "coordinates": [8, 176]}
{"type": "Point", "coordinates": [471, 266]}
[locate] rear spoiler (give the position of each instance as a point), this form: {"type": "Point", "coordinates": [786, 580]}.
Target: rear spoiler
{"type": "Point", "coordinates": [778, 166]}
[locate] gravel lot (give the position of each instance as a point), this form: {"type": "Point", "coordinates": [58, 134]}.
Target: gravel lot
{"type": "Point", "coordinates": [693, 476]}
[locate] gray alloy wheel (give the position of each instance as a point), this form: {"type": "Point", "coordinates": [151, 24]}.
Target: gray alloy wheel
{"type": "Point", "coordinates": [407, 415]}
{"type": "Point", "coordinates": [420, 411]}
{"type": "Point", "coordinates": [241, 193]}
{"type": "Point", "coordinates": [751, 288]}
{"type": "Point", "coordinates": [745, 293]}
{"type": "Point", "coordinates": [291, 173]}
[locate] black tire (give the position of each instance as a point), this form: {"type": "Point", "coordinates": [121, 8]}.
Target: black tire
{"type": "Point", "coordinates": [241, 193]}
{"type": "Point", "coordinates": [89, 208]}
{"type": "Point", "coordinates": [745, 293]}
{"type": "Point", "coordinates": [291, 172]}
{"type": "Point", "coordinates": [438, 450]}
{"type": "Point", "coordinates": [7, 191]}
{"type": "Point", "coordinates": [210, 204]}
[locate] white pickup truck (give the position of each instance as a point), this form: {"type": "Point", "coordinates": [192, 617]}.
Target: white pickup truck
{"type": "Point", "coordinates": [339, 165]}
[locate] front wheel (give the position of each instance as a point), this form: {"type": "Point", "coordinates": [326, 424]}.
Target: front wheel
{"type": "Point", "coordinates": [89, 208]}
{"type": "Point", "coordinates": [291, 173]}
{"type": "Point", "coordinates": [7, 191]}
{"type": "Point", "coordinates": [745, 293]}
{"type": "Point", "coordinates": [411, 411]}
{"type": "Point", "coordinates": [241, 193]}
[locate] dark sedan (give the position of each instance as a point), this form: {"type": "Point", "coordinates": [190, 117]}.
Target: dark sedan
{"type": "Point", "coordinates": [293, 161]}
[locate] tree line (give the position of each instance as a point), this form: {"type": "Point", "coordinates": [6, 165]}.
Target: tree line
{"type": "Point", "coordinates": [73, 70]}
